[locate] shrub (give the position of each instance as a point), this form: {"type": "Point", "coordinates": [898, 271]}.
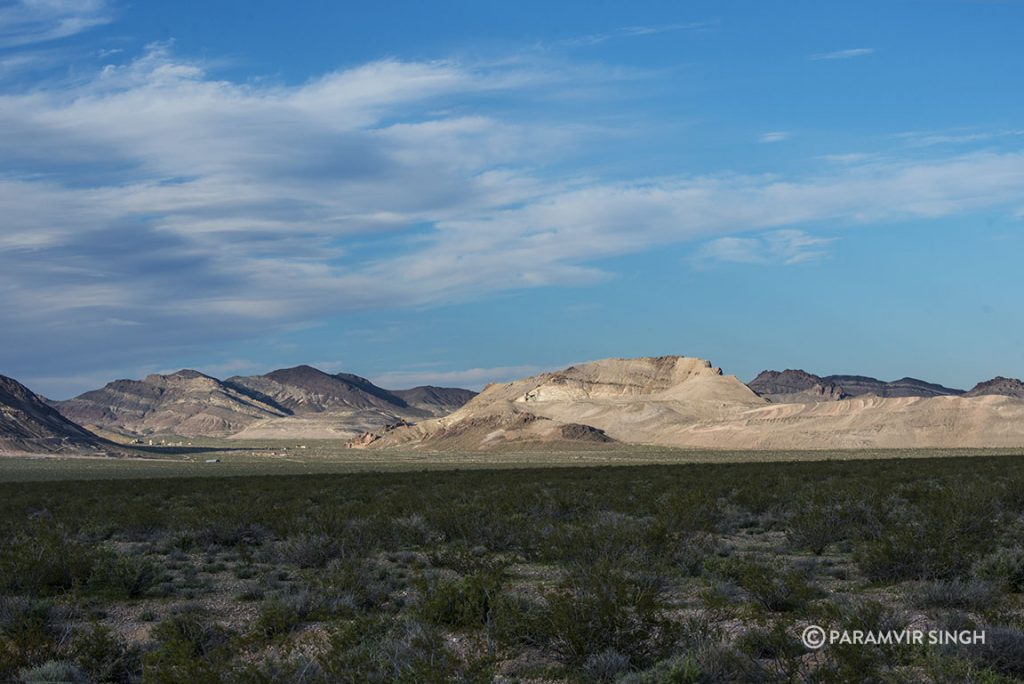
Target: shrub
{"type": "Point", "coordinates": [25, 635]}
{"type": "Point", "coordinates": [1003, 651]}
{"type": "Point", "coordinates": [776, 591]}
{"type": "Point", "coordinates": [53, 672]}
{"type": "Point", "coordinates": [605, 666]}
{"type": "Point", "coordinates": [466, 602]}
{"type": "Point", "coordinates": [604, 610]}
{"type": "Point", "coordinates": [1003, 567]}
{"type": "Point", "coordinates": [940, 538]}
{"type": "Point", "coordinates": [308, 550]}
{"type": "Point", "coordinates": [125, 576]}
{"type": "Point", "coordinates": [277, 619]}
{"type": "Point", "coordinates": [371, 649]}
{"type": "Point", "coordinates": [816, 523]}
{"type": "Point", "coordinates": [104, 656]}
{"type": "Point", "coordinates": [355, 585]}
{"type": "Point", "coordinates": [190, 648]}
{"type": "Point", "coordinates": [774, 642]}
{"type": "Point", "coordinates": [852, 662]}
{"type": "Point", "coordinates": [968, 594]}
{"type": "Point", "coordinates": [45, 561]}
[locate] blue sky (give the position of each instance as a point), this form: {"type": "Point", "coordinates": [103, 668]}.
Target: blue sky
{"type": "Point", "coordinates": [464, 192]}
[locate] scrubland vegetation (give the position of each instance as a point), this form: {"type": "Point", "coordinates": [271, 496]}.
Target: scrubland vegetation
{"type": "Point", "coordinates": [689, 573]}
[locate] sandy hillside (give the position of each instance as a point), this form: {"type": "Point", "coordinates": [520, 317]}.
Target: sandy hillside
{"type": "Point", "coordinates": [686, 402]}
{"type": "Point", "coordinates": [625, 400]}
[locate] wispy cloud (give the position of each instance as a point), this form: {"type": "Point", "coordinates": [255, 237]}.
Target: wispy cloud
{"type": "Point", "coordinates": [471, 378]}
{"type": "Point", "coordinates": [958, 136]}
{"type": "Point", "coordinates": [787, 247]}
{"type": "Point", "coordinates": [774, 137]}
{"type": "Point", "coordinates": [635, 32]}
{"type": "Point", "coordinates": [23, 22]}
{"type": "Point", "coordinates": [844, 54]}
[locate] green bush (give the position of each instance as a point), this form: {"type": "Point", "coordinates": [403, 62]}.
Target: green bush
{"type": "Point", "coordinates": [44, 561]}
{"type": "Point", "coordinates": [778, 591]}
{"type": "Point", "coordinates": [26, 635]}
{"type": "Point", "coordinates": [124, 576]}
{"type": "Point", "coordinates": [190, 648]}
{"type": "Point", "coordinates": [466, 602]}
{"type": "Point", "coordinates": [941, 538]}
{"type": "Point", "coordinates": [608, 610]}
{"type": "Point", "coordinates": [104, 656]}
{"type": "Point", "coordinates": [816, 523]}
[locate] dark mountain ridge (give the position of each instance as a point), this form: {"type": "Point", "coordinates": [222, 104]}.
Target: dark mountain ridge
{"type": "Point", "coordinates": [799, 385]}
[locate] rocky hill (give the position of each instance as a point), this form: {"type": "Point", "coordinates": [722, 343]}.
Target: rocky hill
{"type": "Point", "coordinates": [626, 400]}
{"type": "Point", "coordinates": [300, 402]}
{"type": "Point", "coordinates": [29, 424]}
{"type": "Point", "coordinates": [797, 386]}
{"type": "Point", "coordinates": [998, 386]}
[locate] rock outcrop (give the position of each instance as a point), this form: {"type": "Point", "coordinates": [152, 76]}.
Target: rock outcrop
{"type": "Point", "coordinates": [998, 386]}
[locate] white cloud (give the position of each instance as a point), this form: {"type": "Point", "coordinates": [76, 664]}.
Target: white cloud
{"type": "Point", "coordinates": [202, 210]}
{"type": "Point", "coordinates": [774, 137]}
{"type": "Point", "coordinates": [844, 54]}
{"type": "Point", "coordinates": [787, 247]}
{"type": "Point", "coordinates": [35, 21]}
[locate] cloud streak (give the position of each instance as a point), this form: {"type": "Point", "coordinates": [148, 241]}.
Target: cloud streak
{"type": "Point", "coordinates": [636, 32]}
{"type": "Point", "coordinates": [786, 247]}
{"type": "Point", "coordinates": [24, 22]}
{"type": "Point", "coordinates": [844, 54]}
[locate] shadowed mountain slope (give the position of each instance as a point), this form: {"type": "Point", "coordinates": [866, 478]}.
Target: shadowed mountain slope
{"type": "Point", "coordinates": [29, 424]}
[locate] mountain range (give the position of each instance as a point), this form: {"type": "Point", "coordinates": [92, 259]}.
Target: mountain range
{"type": "Point", "coordinates": [797, 385]}
{"type": "Point", "coordinates": [669, 400]}
{"type": "Point", "coordinates": [292, 402]}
